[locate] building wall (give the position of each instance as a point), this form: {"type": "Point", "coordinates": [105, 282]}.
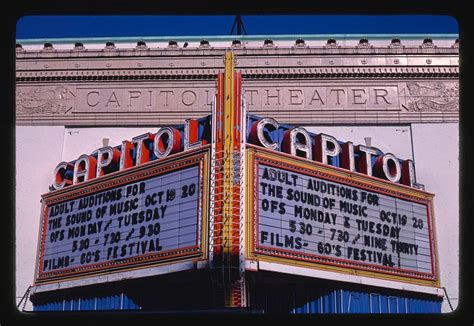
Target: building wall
{"type": "Point", "coordinates": [392, 139]}
{"type": "Point", "coordinates": [54, 90]}
{"type": "Point", "coordinates": [78, 141]}
{"type": "Point", "coordinates": [38, 149]}
{"type": "Point", "coordinates": [344, 83]}
{"type": "Point", "coordinates": [436, 148]}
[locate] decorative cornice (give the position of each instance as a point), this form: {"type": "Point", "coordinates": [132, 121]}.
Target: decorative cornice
{"type": "Point", "coordinates": [114, 75]}
{"type": "Point", "coordinates": [257, 73]}
{"type": "Point", "coordinates": [352, 72]}
{"type": "Point", "coordinates": [214, 38]}
{"type": "Point", "coordinates": [243, 50]}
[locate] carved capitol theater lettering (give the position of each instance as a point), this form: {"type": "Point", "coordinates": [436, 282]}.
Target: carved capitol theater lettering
{"type": "Point", "coordinates": [105, 99]}
{"type": "Point", "coordinates": [323, 97]}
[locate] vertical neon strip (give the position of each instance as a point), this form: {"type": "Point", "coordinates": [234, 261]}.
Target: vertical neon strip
{"type": "Point", "coordinates": [228, 177]}
{"type": "Point", "coordinates": [212, 184]}
{"type": "Point", "coordinates": [228, 154]}
{"type": "Point", "coordinates": [227, 211]}
{"type": "Point", "coordinates": [237, 290]}
{"type": "Point", "coordinates": [243, 162]}
{"type": "Point", "coordinates": [218, 200]}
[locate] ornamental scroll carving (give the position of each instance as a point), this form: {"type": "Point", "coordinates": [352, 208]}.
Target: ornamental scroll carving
{"type": "Point", "coordinates": [40, 100]}
{"type": "Point", "coordinates": [435, 96]}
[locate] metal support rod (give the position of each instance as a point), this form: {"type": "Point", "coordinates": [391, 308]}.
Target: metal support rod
{"type": "Point", "coordinates": [447, 297]}
{"type": "Point", "coordinates": [24, 297]}
{"type": "Point", "coordinates": [240, 26]}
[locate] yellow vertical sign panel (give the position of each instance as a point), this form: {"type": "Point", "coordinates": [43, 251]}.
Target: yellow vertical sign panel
{"type": "Point", "coordinates": [228, 150]}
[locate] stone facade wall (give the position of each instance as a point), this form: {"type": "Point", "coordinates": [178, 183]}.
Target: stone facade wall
{"type": "Point", "coordinates": [324, 85]}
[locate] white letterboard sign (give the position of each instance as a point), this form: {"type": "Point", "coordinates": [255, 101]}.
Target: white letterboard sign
{"type": "Point", "coordinates": [305, 215]}
{"type": "Point", "coordinates": [150, 219]}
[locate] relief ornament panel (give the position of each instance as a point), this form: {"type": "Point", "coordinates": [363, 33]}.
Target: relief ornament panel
{"type": "Point", "coordinates": [40, 100]}
{"type": "Point", "coordinates": [435, 96]}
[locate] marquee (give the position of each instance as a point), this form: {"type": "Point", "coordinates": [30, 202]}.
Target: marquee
{"type": "Point", "coordinates": [144, 216]}
{"type": "Point", "coordinates": [231, 187]}
{"type": "Point", "coordinates": [308, 214]}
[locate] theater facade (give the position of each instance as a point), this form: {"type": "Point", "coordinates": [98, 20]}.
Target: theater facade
{"type": "Point", "coordinates": [295, 174]}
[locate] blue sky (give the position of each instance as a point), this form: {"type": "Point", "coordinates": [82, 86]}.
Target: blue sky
{"type": "Point", "coordinates": [104, 26]}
